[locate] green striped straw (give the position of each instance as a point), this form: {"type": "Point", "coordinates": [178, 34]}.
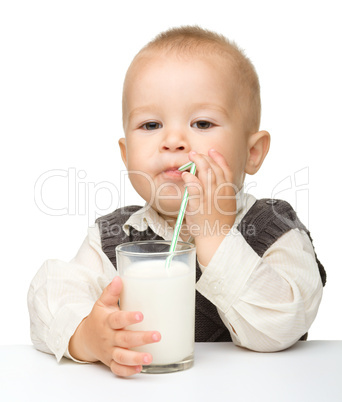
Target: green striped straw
{"type": "Point", "coordinates": [181, 213]}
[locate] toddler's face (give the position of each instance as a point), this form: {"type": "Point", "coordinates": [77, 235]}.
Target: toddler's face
{"type": "Point", "coordinates": [173, 105]}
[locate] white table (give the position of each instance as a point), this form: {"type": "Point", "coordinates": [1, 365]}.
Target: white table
{"type": "Point", "coordinates": [309, 371]}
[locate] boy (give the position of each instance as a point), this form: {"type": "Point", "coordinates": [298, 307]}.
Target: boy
{"type": "Point", "coordinates": [188, 95]}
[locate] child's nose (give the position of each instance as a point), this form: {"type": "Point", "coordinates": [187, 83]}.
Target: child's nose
{"type": "Point", "coordinates": [175, 141]}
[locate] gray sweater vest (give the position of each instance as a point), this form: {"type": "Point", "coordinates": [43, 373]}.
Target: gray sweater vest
{"type": "Point", "coordinates": [263, 224]}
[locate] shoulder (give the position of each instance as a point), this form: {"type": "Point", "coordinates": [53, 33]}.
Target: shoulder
{"type": "Point", "coordinates": [266, 221]}
{"type": "Point", "coordinates": [269, 210]}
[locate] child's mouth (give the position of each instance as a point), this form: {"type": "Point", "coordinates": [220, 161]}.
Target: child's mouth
{"type": "Point", "coordinates": [173, 173]}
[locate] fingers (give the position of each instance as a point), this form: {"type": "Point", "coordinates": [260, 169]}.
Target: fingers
{"type": "Point", "coordinates": [120, 319]}
{"type": "Point", "coordinates": [212, 192]}
{"type": "Point", "coordinates": [127, 362]}
{"type": "Point", "coordinates": [130, 357]}
{"type": "Point", "coordinates": [124, 371]}
{"type": "Point", "coordinates": [214, 165]}
{"type": "Point", "coordinates": [131, 339]}
{"type": "Point", "coordinates": [213, 171]}
{"type": "Point", "coordinates": [218, 158]}
{"type": "Point", "coordinates": [110, 295]}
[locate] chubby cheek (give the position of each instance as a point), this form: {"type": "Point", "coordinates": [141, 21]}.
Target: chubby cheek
{"type": "Point", "coordinates": [237, 168]}
{"type": "Point", "coordinates": [138, 157]}
{"type": "Point", "coordinates": [142, 184]}
{"type": "Point", "coordinates": [138, 175]}
{"type": "Point", "coordinates": [236, 162]}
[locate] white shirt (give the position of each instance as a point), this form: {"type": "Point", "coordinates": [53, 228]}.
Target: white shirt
{"type": "Point", "coordinates": [267, 303]}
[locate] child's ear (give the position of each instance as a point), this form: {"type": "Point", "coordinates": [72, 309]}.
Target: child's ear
{"type": "Point", "coordinates": [258, 146]}
{"type": "Point", "coordinates": [122, 144]}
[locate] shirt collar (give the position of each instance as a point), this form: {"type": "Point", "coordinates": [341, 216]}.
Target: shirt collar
{"type": "Point", "coordinates": [148, 217]}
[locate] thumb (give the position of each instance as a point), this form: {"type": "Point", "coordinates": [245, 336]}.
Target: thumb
{"type": "Point", "coordinates": [110, 295]}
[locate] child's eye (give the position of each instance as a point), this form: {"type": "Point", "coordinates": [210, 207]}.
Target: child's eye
{"type": "Point", "coordinates": [202, 124]}
{"type": "Point", "coordinates": [151, 125]}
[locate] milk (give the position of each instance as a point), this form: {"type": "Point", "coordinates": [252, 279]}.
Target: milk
{"type": "Point", "coordinates": [166, 297]}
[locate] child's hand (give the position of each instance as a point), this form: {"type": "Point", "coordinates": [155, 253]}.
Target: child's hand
{"type": "Point", "coordinates": [102, 335]}
{"type": "Point", "coordinates": [211, 209]}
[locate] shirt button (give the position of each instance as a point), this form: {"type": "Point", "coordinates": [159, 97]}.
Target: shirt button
{"type": "Point", "coordinates": [271, 202]}
{"type": "Point", "coordinates": [58, 342]}
{"type": "Point", "coordinates": [216, 287]}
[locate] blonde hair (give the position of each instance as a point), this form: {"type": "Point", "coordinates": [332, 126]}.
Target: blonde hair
{"type": "Point", "coordinates": [195, 41]}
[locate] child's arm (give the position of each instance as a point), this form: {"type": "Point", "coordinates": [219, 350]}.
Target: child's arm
{"type": "Point", "coordinates": [211, 208]}
{"type": "Point", "coordinates": [62, 294]}
{"type": "Point", "coordinates": [267, 303]}
{"type": "Point", "coordinates": [102, 336]}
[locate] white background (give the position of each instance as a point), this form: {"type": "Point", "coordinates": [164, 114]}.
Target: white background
{"type": "Point", "coordinates": [61, 73]}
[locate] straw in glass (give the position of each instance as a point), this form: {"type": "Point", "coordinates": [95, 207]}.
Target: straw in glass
{"type": "Point", "coordinates": [180, 214]}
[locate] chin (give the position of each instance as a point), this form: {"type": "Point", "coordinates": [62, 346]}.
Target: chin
{"type": "Point", "coordinates": [169, 208]}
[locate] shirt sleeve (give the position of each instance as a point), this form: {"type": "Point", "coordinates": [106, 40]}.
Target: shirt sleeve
{"type": "Point", "coordinates": [266, 303]}
{"type": "Point", "coordinates": [63, 293]}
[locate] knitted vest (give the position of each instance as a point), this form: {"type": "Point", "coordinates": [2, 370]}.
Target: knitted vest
{"type": "Point", "coordinates": [263, 224]}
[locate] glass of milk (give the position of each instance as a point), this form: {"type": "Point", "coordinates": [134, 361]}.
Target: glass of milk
{"type": "Point", "coordinates": [165, 294]}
